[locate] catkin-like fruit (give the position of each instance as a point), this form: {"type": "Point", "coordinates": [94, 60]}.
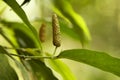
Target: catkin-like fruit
{"type": "Point", "coordinates": [56, 31]}
{"type": "Point", "coordinates": [42, 32]}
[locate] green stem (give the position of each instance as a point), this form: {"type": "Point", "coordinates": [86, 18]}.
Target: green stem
{"type": "Point", "coordinates": [22, 49]}
{"type": "Point", "coordinates": [33, 57]}
{"type": "Point", "coordinates": [55, 51]}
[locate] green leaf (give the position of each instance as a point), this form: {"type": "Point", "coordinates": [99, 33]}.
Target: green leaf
{"type": "Point", "coordinates": [6, 71]}
{"type": "Point", "coordinates": [61, 68]}
{"type": "Point", "coordinates": [18, 64]}
{"type": "Point", "coordinates": [19, 11]}
{"type": "Point", "coordinates": [23, 70]}
{"type": "Point", "coordinates": [41, 71]}
{"type": "Point", "coordinates": [63, 7]}
{"type": "Point", "coordinates": [97, 59]}
{"type": "Point", "coordinates": [28, 39]}
{"type": "Point", "coordinates": [19, 29]}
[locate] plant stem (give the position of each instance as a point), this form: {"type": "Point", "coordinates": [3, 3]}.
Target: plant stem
{"type": "Point", "coordinates": [23, 49]}
{"type": "Point", "coordinates": [55, 51]}
{"type": "Point", "coordinates": [33, 57]}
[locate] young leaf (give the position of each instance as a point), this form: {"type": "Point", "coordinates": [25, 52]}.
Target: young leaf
{"type": "Point", "coordinates": [19, 11]}
{"type": "Point", "coordinates": [6, 71]}
{"type": "Point", "coordinates": [97, 59]}
{"type": "Point", "coordinates": [61, 68]}
{"type": "Point", "coordinates": [79, 25]}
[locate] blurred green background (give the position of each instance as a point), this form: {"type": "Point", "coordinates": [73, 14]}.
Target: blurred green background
{"type": "Point", "coordinates": [102, 18]}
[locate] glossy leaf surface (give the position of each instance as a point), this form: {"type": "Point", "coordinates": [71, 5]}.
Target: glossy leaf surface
{"type": "Point", "coordinates": [97, 59]}
{"type": "Point", "coordinates": [61, 68]}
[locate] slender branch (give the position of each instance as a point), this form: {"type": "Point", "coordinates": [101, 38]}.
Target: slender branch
{"type": "Point", "coordinates": [23, 49]}
{"type": "Point", "coordinates": [30, 57]}
{"type": "Point", "coordinates": [34, 57]}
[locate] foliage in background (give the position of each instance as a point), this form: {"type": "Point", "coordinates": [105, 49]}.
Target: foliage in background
{"type": "Point", "coordinates": [33, 62]}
